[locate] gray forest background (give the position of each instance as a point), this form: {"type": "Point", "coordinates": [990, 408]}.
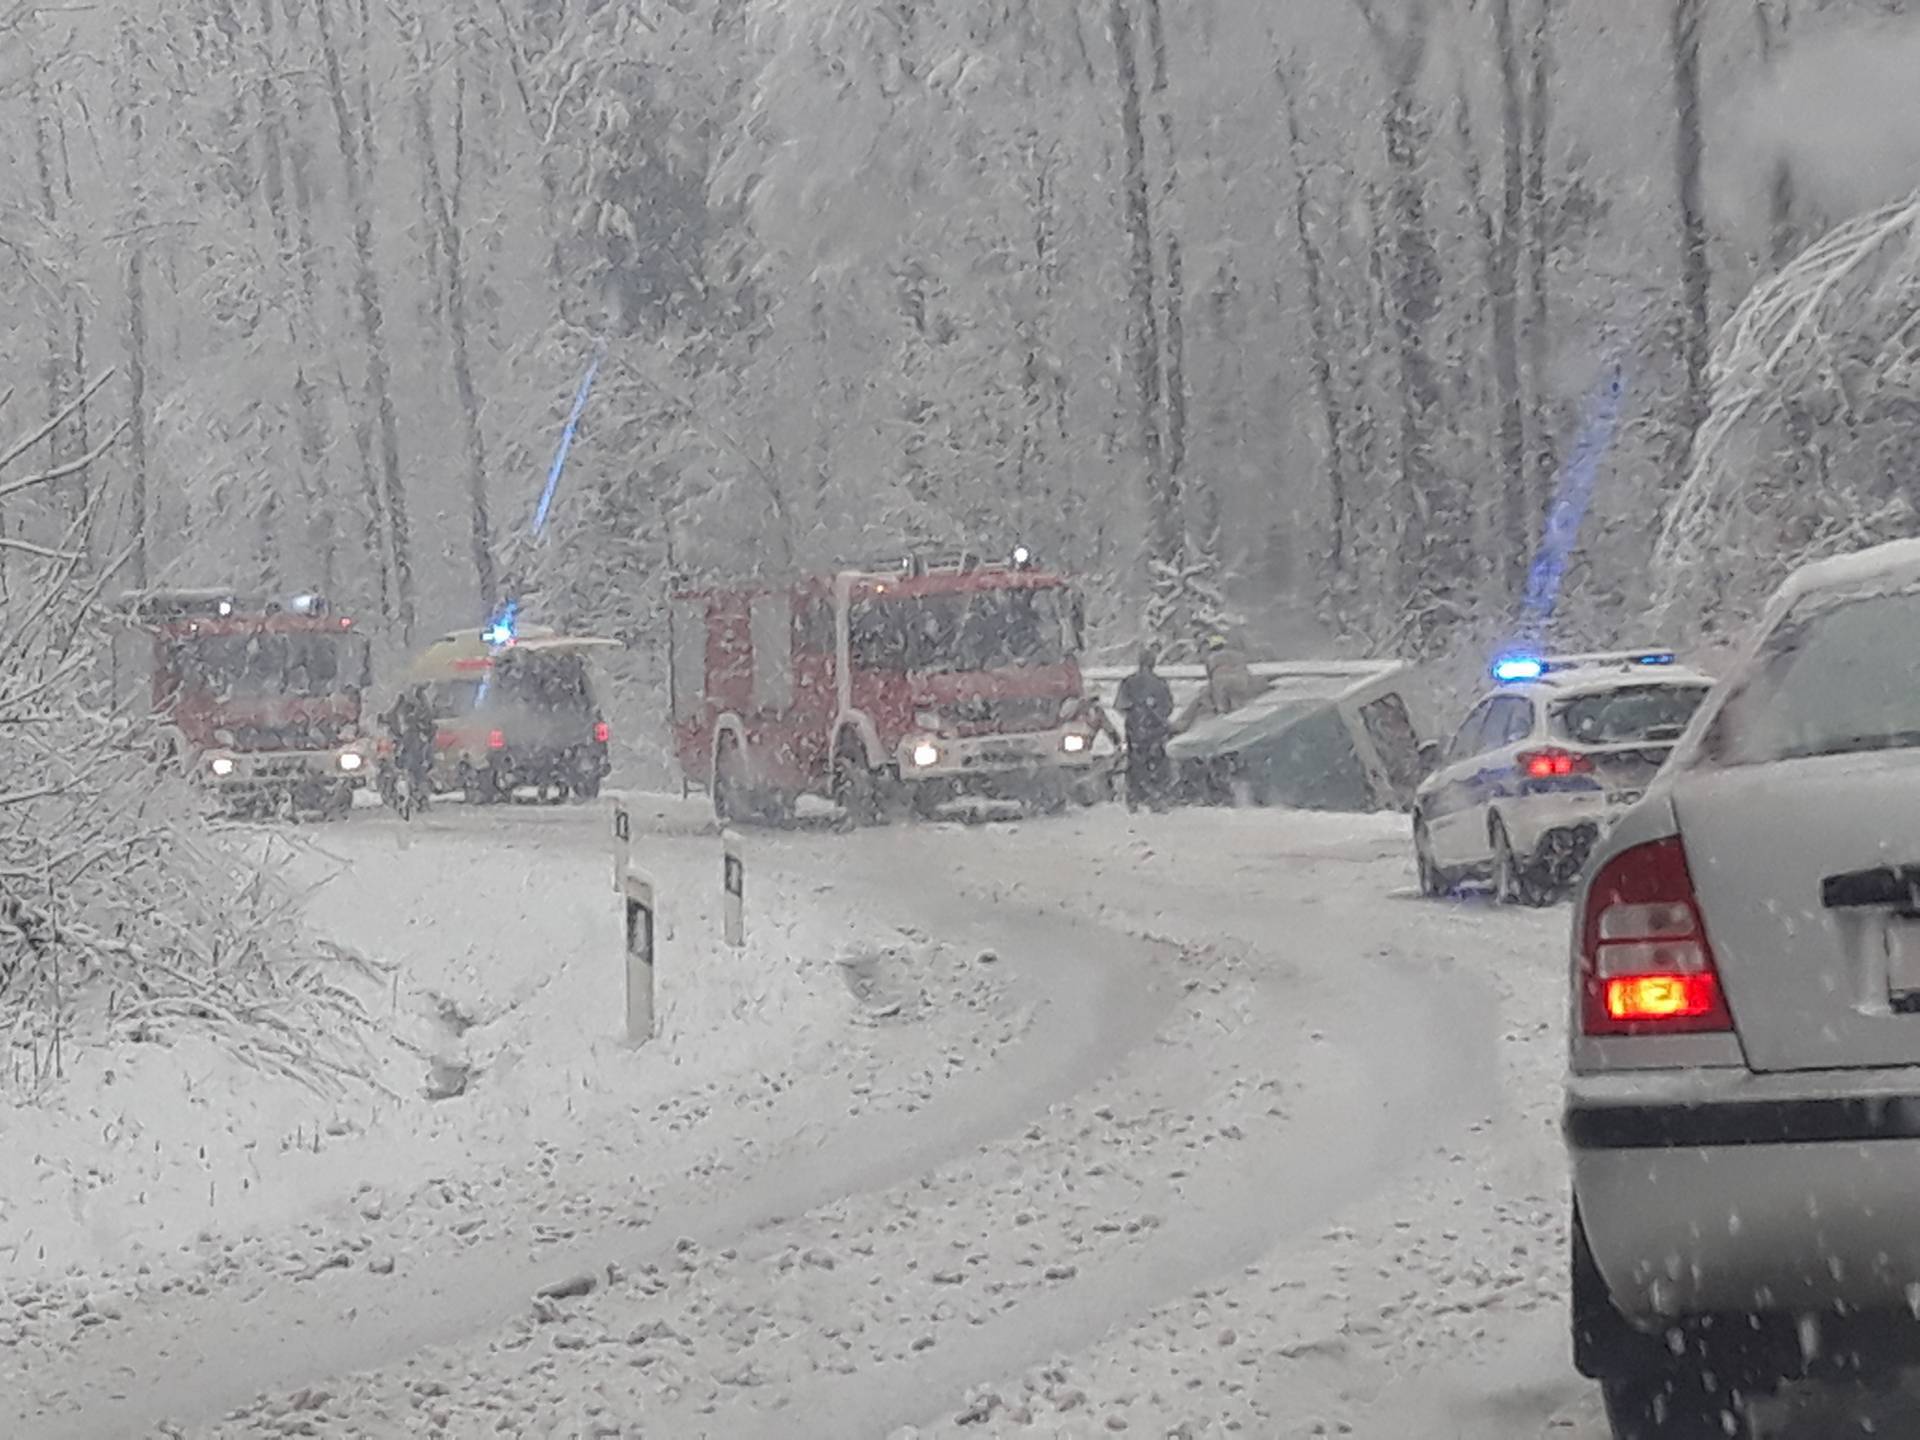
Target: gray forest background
{"type": "Point", "coordinates": [1280, 311]}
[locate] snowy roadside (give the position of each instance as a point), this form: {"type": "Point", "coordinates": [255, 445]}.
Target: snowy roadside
{"type": "Point", "coordinates": [1436, 1305]}
{"type": "Point", "coordinates": [153, 1131]}
{"type": "Point", "coordinates": [1254, 1225]}
{"type": "Point", "coordinates": [505, 941]}
{"type": "Point", "coordinates": [1196, 1124]}
{"type": "Point", "coordinates": [827, 1014]}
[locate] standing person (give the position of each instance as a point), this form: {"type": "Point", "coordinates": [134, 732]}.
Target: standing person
{"type": "Point", "coordinates": [1147, 704]}
{"type": "Point", "coordinates": [1231, 683]}
{"type": "Point", "coordinates": [412, 727]}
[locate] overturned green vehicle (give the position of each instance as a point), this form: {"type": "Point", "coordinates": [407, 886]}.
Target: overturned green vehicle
{"type": "Point", "coordinates": [1323, 735]}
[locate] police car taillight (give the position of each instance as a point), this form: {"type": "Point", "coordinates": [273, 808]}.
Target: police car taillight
{"type": "Point", "coordinates": [1551, 764]}
{"type": "Point", "coordinates": [1645, 965]}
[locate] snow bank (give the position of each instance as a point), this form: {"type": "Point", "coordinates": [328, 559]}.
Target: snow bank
{"type": "Point", "coordinates": [495, 975]}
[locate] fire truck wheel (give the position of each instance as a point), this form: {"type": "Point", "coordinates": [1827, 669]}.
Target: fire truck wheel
{"type": "Point", "coordinates": [1048, 797]}
{"type": "Point", "coordinates": [484, 787]}
{"type": "Point", "coordinates": [730, 799]}
{"type": "Point", "coordinates": [857, 789]}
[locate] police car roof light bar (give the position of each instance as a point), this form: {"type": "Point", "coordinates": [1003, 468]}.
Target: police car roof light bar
{"type": "Point", "coordinates": [1516, 669]}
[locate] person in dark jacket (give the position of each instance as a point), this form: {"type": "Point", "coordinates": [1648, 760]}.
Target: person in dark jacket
{"type": "Point", "coordinates": [411, 726]}
{"type": "Point", "coordinates": [1147, 706]}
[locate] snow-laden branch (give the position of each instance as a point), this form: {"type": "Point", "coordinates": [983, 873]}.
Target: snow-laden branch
{"type": "Point", "coordinates": [68, 470]}
{"type": "Point", "coordinates": [59, 418]}
{"type": "Point", "coordinates": [1816, 384]}
{"type": "Point", "coordinates": [122, 915]}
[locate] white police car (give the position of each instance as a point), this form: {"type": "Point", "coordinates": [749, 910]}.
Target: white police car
{"type": "Point", "coordinates": [1543, 764]}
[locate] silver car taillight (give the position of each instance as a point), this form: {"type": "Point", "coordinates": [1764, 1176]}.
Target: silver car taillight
{"type": "Point", "coordinates": [1646, 966]}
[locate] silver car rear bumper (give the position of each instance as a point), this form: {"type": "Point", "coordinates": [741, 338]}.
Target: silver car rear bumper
{"type": "Point", "coordinates": [1755, 1200]}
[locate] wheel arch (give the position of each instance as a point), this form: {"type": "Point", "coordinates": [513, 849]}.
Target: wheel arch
{"type": "Point", "coordinates": [729, 729]}
{"type": "Point", "coordinates": [863, 731]}
{"type": "Point", "coordinates": [1497, 826]}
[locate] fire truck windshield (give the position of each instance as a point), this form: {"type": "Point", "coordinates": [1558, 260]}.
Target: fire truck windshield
{"type": "Point", "coordinates": [962, 630]}
{"type": "Point", "coordinates": [261, 665]}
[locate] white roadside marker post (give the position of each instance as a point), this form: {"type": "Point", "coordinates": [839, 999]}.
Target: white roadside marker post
{"type": "Point", "coordinates": [733, 882]}
{"type": "Point", "coordinates": [622, 845]}
{"type": "Point", "coordinates": [636, 896]}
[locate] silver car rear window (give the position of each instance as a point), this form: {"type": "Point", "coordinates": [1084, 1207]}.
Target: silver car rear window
{"type": "Point", "coordinates": [1837, 675]}
{"type": "Point", "coordinates": [1632, 714]}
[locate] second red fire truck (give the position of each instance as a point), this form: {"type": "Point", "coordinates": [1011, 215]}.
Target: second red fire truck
{"type": "Point", "coordinates": [259, 700]}
{"type": "Point", "coordinates": [887, 688]}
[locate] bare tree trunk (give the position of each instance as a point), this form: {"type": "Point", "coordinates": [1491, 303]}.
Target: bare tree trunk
{"type": "Point", "coordinates": [1321, 358]}
{"type": "Point", "coordinates": [1176, 365]}
{"type": "Point", "coordinates": [1176, 351]}
{"type": "Point", "coordinates": [293, 243]}
{"type": "Point", "coordinates": [1540, 241]}
{"type": "Point", "coordinates": [370, 490]}
{"type": "Point", "coordinates": [138, 564]}
{"type": "Point", "coordinates": [54, 369]}
{"type": "Point", "coordinates": [447, 223]}
{"type": "Point", "coordinates": [1695, 274]}
{"type": "Point", "coordinates": [1516, 510]}
{"type": "Point", "coordinates": [549, 178]}
{"type": "Point", "coordinates": [372, 319]}
{"type": "Point", "coordinates": [373, 507]}
{"type": "Point", "coordinates": [1783, 234]}
{"type": "Point", "coordinates": [1031, 487]}
{"type": "Point", "coordinates": [1163, 507]}
{"type": "Point", "coordinates": [1432, 556]}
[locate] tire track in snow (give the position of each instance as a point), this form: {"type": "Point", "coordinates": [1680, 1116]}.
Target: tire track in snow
{"type": "Point", "coordinates": [190, 1357]}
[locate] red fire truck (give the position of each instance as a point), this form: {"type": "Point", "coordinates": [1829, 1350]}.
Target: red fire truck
{"type": "Point", "coordinates": [260, 701]}
{"type": "Point", "coordinates": [885, 688]}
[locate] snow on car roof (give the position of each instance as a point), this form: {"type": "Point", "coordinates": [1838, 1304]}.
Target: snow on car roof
{"type": "Point", "coordinates": [1896, 563]}
{"type": "Point", "coordinates": [1348, 671]}
{"type": "Point", "coordinates": [1589, 680]}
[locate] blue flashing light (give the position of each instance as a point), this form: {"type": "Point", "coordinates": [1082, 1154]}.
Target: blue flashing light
{"type": "Point", "coordinates": [500, 632]}
{"type": "Point", "coordinates": [1512, 669]}
{"type": "Point", "coordinates": [1654, 657]}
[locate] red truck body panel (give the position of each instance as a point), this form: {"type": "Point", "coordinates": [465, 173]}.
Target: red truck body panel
{"type": "Point", "coordinates": [808, 686]}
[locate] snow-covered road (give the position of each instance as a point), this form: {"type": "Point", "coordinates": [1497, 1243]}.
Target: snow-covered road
{"type": "Point", "coordinates": [1184, 1125]}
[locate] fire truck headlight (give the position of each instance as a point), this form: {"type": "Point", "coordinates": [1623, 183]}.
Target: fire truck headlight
{"type": "Point", "coordinates": [926, 754]}
{"type": "Point", "coordinates": [1073, 743]}
{"type": "Point", "coordinates": [351, 760]}
{"type": "Point", "coordinates": [221, 766]}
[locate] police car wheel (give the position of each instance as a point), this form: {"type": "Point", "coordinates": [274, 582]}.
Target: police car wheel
{"type": "Point", "coordinates": [1433, 881]}
{"type": "Point", "coordinates": [1510, 883]}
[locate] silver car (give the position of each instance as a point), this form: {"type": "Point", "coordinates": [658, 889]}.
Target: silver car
{"type": "Point", "coordinates": [1743, 1103]}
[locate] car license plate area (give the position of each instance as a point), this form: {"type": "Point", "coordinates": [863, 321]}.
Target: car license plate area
{"type": "Point", "coordinates": [1000, 756]}
{"type": "Point", "coordinates": [1902, 940]}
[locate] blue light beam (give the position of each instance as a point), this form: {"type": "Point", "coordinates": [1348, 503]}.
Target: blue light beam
{"type": "Point", "coordinates": [566, 439]}
{"type": "Point", "coordinates": [1573, 494]}
{"type": "Point", "coordinates": [500, 629]}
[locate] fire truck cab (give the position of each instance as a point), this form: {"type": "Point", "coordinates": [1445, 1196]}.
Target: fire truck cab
{"type": "Point", "coordinates": [884, 688]}
{"type": "Point", "coordinates": [259, 701]}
